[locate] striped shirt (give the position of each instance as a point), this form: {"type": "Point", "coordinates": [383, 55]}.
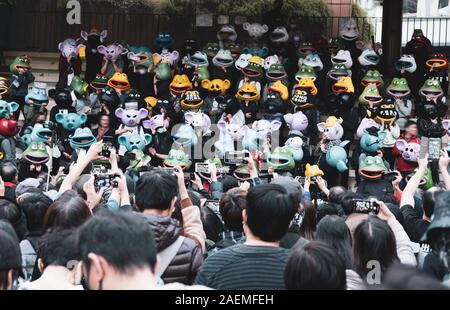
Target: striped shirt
{"type": "Point", "coordinates": [245, 267]}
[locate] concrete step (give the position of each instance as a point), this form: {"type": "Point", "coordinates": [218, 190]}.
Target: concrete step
{"type": "Point", "coordinates": [14, 54]}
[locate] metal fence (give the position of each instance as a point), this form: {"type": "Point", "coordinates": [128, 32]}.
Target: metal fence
{"type": "Point", "coordinates": [44, 29]}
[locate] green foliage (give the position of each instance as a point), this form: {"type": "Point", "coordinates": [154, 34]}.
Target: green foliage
{"type": "Point", "coordinates": [365, 26]}
{"type": "Point", "coordinates": [123, 4]}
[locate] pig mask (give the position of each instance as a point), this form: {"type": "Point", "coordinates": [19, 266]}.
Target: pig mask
{"type": "Point", "coordinates": [131, 118]}
{"type": "Point", "coordinates": [410, 150]}
{"type": "Point", "coordinates": [111, 52]}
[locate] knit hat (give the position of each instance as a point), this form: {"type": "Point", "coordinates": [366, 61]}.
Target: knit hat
{"type": "Point", "coordinates": [10, 257]}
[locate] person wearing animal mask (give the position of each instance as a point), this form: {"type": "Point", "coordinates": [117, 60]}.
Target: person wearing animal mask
{"type": "Point", "coordinates": [70, 63]}
{"type": "Point", "coordinates": [94, 59]}
{"type": "Point", "coordinates": [20, 79]}
{"type": "Point", "coordinates": [112, 58]}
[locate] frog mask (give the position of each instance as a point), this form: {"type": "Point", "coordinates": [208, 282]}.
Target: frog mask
{"type": "Point", "coordinates": [302, 99]}
{"type": "Point", "coordinates": [370, 96]}
{"type": "Point", "coordinates": [427, 180]}
{"type": "Point", "coordinates": [248, 92]}
{"type": "Point", "coordinates": [180, 84]}
{"type": "Point", "coordinates": [71, 121]}
{"type": "Point", "coordinates": [254, 68]}
{"type": "Point", "coordinates": [211, 49]}
{"type": "Point", "coordinates": [227, 33]}
{"type": "Point", "coordinates": [162, 71]}
{"type": "Point", "coordinates": [217, 162]}
{"type": "Point", "coordinates": [20, 63]}
{"type": "Point", "coordinates": [313, 60]}
{"type": "Point", "coordinates": [100, 81]}
{"type": "Point", "coordinates": [371, 167]}
{"type": "Point", "coordinates": [334, 45]}
{"type": "Point", "coordinates": [385, 113]}
{"type": "Point", "coordinates": [368, 55]}
{"type": "Point", "coordinates": [142, 58]}
{"type": "Point", "coordinates": [281, 159]}
{"type": "Point", "coordinates": [295, 145]}
{"type": "Point", "coordinates": [407, 63]}
{"type": "Point", "coordinates": [372, 76]}
{"type": "Point", "coordinates": [343, 85]}
{"type": "Point", "coordinates": [235, 50]}
{"type": "Point", "coordinates": [111, 52]}
{"type": "Point", "coordinates": [36, 153]}
{"type": "Point", "coordinates": [131, 117]}
{"type": "Point", "coordinates": [79, 86]}
{"type": "Point", "coordinates": [279, 35]}
{"type": "Point", "coordinates": [177, 158]}
{"type": "Point", "coordinates": [197, 59]}
{"type": "Point", "coordinates": [332, 128]}
{"type": "Point", "coordinates": [305, 48]}
{"type": "Point", "coordinates": [431, 89]}
{"type": "Point", "coordinates": [119, 81]}
{"type": "Point", "coordinates": [191, 101]}
{"type": "Point", "coordinates": [410, 150]}
{"type": "Point", "coordinates": [276, 72]}
{"type": "Point", "coordinates": [305, 71]}
{"type": "Point", "coordinates": [38, 95]}
{"type": "Point", "coordinates": [437, 61]}
{"type": "Point", "coordinates": [163, 40]}
{"type": "Point", "coordinates": [82, 138]}
{"type": "Point", "coordinates": [337, 71]}
{"type": "Point", "coordinates": [398, 88]}
{"type": "Point", "coordinates": [306, 84]}
{"type": "Point", "coordinates": [216, 87]}
{"type": "Point", "coordinates": [343, 57]}
{"type": "Point", "coordinates": [223, 59]}
{"type": "Point", "coordinates": [40, 133]}
{"type": "Point", "coordinates": [371, 141]}
{"type": "Point", "coordinates": [349, 30]}
{"type": "Point", "coordinates": [134, 141]}
{"type": "Point", "coordinates": [7, 108]}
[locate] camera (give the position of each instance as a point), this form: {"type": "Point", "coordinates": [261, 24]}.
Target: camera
{"type": "Point", "coordinates": [236, 157]}
{"type": "Point", "coordinates": [107, 146]}
{"type": "Point", "coordinates": [104, 177]}
{"type": "Point", "coordinates": [365, 206]}
{"type": "Point", "coordinates": [202, 168]}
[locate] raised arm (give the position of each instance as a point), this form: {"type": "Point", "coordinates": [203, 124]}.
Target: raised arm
{"type": "Point", "coordinates": [444, 160]}
{"type": "Point", "coordinates": [413, 183]}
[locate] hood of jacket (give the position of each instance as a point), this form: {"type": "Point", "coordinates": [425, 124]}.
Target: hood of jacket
{"type": "Point", "coordinates": [166, 230]}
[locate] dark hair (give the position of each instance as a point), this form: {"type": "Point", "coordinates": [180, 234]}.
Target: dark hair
{"type": "Point", "coordinates": [336, 194]}
{"type": "Point", "coordinates": [347, 201]}
{"type": "Point", "coordinates": [58, 247]}
{"type": "Point", "coordinates": [315, 266]}
{"type": "Point", "coordinates": [212, 224]}
{"type": "Point", "coordinates": [270, 210]}
{"type": "Point", "coordinates": [231, 205]}
{"type": "Point", "coordinates": [8, 171]}
{"type": "Point", "coordinates": [333, 231]}
{"type": "Point", "coordinates": [409, 123]}
{"type": "Point", "coordinates": [34, 206]}
{"type": "Point", "coordinates": [68, 211]}
{"type": "Point", "coordinates": [324, 209]}
{"type": "Point", "coordinates": [309, 221]}
{"type": "Point", "coordinates": [429, 200]}
{"type": "Point", "coordinates": [404, 277]}
{"type": "Point", "coordinates": [10, 259]}
{"type": "Point", "coordinates": [100, 115]}
{"type": "Point", "coordinates": [374, 240]}
{"type": "Point", "coordinates": [155, 190]}
{"type": "Point", "coordinates": [229, 182]}
{"type": "Point", "coordinates": [11, 212]}
{"type": "Point", "coordinates": [36, 116]}
{"type": "Point", "coordinates": [78, 186]}
{"type": "Point", "coordinates": [124, 240]}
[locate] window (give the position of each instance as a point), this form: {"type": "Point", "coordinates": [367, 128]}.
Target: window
{"type": "Point", "coordinates": [442, 4]}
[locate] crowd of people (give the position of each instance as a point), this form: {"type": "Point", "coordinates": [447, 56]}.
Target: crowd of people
{"type": "Point", "coordinates": [280, 162]}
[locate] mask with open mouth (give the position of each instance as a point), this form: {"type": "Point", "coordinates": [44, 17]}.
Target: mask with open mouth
{"type": "Point", "coordinates": [306, 84]}
{"type": "Point", "coordinates": [406, 62]}
{"type": "Point", "coordinates": [227, 33]}
{"type": "Point", "coordinates": [437, 61]}
{"type": "Point", "coordinates": [371, 167]}
{"type": "Point", "coordinates": [100, 81]}
{"type": "Point", "coordinates": [79, 86]}
{"type": "Point", "coordinates": [305, 48]}
{"type": "Point", "coordinates": [242, 173]}
{"type": "Point", "coordinates": [248, 92]}
{"type": "Point", "coordinates": [343, 85]}
{"type": "Point", "coordinates": [235, 50]}
{"type": "Point", "coordinates": [305, 71]}
{"type": "Point", "coordinates": [302, 99]}
{"type": "Point", "coordinates": [398, 88]}
{"type": "Point", "coordinates": [180, 84]}
{"type": "Point", "coordinates": [280, 88]}
{"type": "Point", "coordinates": [199, 58]}
{"type": "Point", "coordinates": [141, 57]}
{"type": "Point", "coordinates": [276, 72]}
{"type": "Point", "coordinates": [338, 71]}
{"type": "Point", "coordinates": [82, 138]}
{"type": "Point", "coordinates": [427, 180]}
{"type": "Point", "coordinates": [20, 62]}
{"type": "Point", "coordinates": [254, 69]}
{"type": "Point", "coordinates": [431, 89]}
{"type": "Point", "coordinates": [38, 95]}
{"type": "Point", "coordinates": [211, 49]}
{"type": "Point", "coordinates": [216, 161]}
{"type": "Point", "coordinates": [349, 30]}
{"type": "Point", "coordinates": [119, 81]}
{"type": "Point", "coordinates": [41, 133]}
{"type": "Point", "coordinates": [295, 145]}
{"type": "Point", "coordinates": [223, 59]}
{"type": "Point", "coordinates": [36, 153]}
{"type": "Point", "coordinates": [191, 101]}
{"type": "Point", "coordinates": [368, 57]}
{"type": "Point", "coordinates": [343, 57]}
{"type": "Point", "coordinates": [372, 77]}
{"type": "Point", "coordinates": [386, 112]}
{"type": "Point", "coordinates": [313, 60]}
{"type": "Point", "coordinates": [370, 96]}
{"type": "Point", "coordinates": [281, 159]}
{"type": "Point", "coordinates": [279, 35]}
{"type": "Point", "coordinates": [334, 45]}
{"type": "Point", "coordinates": [177, 158]}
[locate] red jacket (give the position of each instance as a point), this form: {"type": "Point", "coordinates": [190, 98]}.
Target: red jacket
{"type": "Point", "coordinates": [404, 165]}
